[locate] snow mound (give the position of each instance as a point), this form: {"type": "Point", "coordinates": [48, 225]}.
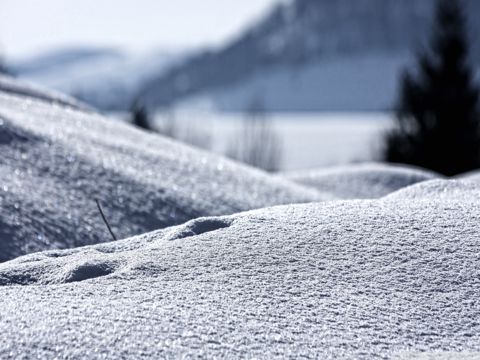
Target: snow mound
{"type": "Point", "coordinates": [461, 190]}
{"type": "Point", "coordinates": [363, 181]}
{"type": "Point", "coordinates": [57, 160]}
{"type": "Point", "coordinates": [340, 279]}
{"type": "Point", "coordinates": [471, 175]}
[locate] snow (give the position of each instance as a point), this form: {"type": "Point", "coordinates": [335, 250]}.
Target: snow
{"type": "Point", "coordinates": [361, 181]}
{"type": "Point", "coordinates": [56, 160]}
{"type": "Point", "coordinates": [392, 276]}
{"type": "Point", "coordinates": [472, 175]}
{"type": "Point", "coordinates": [388, 277]}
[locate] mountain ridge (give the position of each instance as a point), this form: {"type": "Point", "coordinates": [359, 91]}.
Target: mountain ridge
{"type": "Point", "coordinates": [302, 55]}
{"type": "Point", "coordinates": [296, 34]}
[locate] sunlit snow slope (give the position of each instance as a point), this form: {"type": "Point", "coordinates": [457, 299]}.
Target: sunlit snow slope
{"type": "Point", "coordinates": [357, 279]}
{"type": "Point", "coordinates": [56, 159]}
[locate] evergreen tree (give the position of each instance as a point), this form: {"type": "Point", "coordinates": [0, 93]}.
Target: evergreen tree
{"type": "Point", "coordinates": [438, 115]}
{"type": "Point", "coordinates": [140, 116]}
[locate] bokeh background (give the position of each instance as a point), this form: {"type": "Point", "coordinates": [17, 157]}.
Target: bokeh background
{"type": "Point", "coordinates": [282, 85]}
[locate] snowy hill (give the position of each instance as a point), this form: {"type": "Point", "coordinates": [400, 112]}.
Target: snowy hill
{"type": "Point", "coordinates": [58, 157]}
{"type": "Point", "coordinates": [361, 181]}
{"type": "Point", "coordinates": [386, 278]}
{"type": "Point", "coordinates": [314, 55]}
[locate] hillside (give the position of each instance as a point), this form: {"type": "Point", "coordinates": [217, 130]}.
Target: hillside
{"type": "Point", "coordinates": [101, 77]}
{"type": "Point", "coordinates": [307, 55]}
{"type": "Point", "coordinates": [58, 157]}
{"type": "Point", "coordinates": [304, 55]}
{"type": "Point", "coordinates": [359, 279]}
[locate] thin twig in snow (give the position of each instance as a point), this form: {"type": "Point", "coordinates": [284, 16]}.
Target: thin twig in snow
{"type": "Point", "coordinates": [105, 220]}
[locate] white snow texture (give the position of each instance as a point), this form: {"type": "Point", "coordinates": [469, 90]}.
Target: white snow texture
{"type": "Point", "coordinates": [362, 181]}
{"type": "Point", "coordinates": [56, 160]}
{"type": "Point", "coordinates": [394, 275]}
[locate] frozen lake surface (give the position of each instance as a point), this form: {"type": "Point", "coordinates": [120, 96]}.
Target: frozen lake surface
{"type": "Point", "coordinates": [308, 140]}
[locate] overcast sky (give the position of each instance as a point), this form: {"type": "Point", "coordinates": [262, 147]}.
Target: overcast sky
{"type": "Point", "coordinates": [32, 26]}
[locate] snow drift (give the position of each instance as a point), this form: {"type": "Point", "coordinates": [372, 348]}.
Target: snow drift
{"type": "Point", "coordinates": [57, 158]}
{"type": "Point", "coordinates": [339, 279]}
{"type": "Point", "coordinates": [361, 181]}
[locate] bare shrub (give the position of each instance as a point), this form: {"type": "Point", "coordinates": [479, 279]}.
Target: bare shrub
{"type": "Point", "coordinates": [257, 143]}
{"type": "Point", "coordinates": [190, 132]}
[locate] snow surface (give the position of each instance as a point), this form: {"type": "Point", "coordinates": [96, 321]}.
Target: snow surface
{"type": "Point", "coordinates": [471, 175]}
{"type": "Point", "coordinates": [340, 279]}
{"type": "Point", "coordinates": [394, 276]}
{"type": "Point", "coordinates": [361, 181]}
{"type": "Point", "coordinates": [56, 160]}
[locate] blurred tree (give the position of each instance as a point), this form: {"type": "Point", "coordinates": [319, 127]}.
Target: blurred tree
{"type": "Point", "coordinates": [167, 124]}
{"type": "Point", "coordinates": [140, 116]}
{"type": "Point", "coordinates": [438, 116]}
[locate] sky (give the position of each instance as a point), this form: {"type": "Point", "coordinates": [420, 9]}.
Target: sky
{"type": "Point", "coordinates": [28, 27]}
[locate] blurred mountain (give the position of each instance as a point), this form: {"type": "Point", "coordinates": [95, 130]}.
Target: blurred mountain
{"type": "Point", "coordinates": [105, 78]}
{"type": "Point", "coordinates": [307, 55]}
{"type": "Point", "coordinates": [304, 55]}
